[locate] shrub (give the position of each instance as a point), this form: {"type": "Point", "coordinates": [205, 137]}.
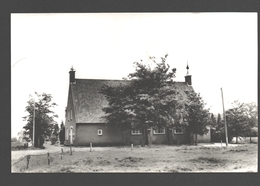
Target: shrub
{"type": "Point", "coordinates": [18, 146]}
{"type": "Point", "coordinates": [14, 139]}
{"type": "Point", "coordinates": [53, 140]}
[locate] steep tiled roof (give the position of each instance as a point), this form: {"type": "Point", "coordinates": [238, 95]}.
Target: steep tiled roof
{"type": "Point", "coordinates": [184, 88]}
{"type": "Point", "coordinates": [88, 102]}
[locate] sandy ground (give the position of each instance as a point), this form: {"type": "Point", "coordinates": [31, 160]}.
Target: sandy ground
{"type": "Point", "coordinates": [185, 158]}
{"type": "Point", "coordinates": [52, 149]}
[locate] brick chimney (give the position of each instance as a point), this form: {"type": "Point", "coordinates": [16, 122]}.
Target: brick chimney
{"type": "Point", "coordinates": [72, 76]}
{"type": "Point", "coordinates": [188, 77]}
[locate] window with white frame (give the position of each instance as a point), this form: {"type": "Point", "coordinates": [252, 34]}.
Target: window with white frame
{"type": "Point", "coordinates": [178, 131]}
{"type": "Point", "coordinates": [136, 132]}
{"type": "Point", "coordinates": [99, 132]}
{"type": "Point", "coordinates": [159, 130]}
{"type": "Point", "coordinates": [70, 114]}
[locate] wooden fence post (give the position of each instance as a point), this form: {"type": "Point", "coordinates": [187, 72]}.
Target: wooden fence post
{"type": "Point", "coordinates": [70, 150]}
{"type": "Point", "coordinates": [28, 159]}
{"type": "Point", "coordinates": [90, 147]}
{"type": "Point", "coordinates": [132, 146]}
{"type": "Point", "coordinates": [48, 157]}
{"type": "Point", "coordinates": [61, 154]}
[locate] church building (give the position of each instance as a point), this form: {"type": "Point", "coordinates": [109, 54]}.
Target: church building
{"type": "Point", "coordinates": [84, 123]}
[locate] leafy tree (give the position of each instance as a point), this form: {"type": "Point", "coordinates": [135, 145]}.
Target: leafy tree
{"type": "Point", "coordinates": [219, 120]}
{"type": "Point", "coordinates": [20, 136]}
{"type": "Point", "coordinates": [219, 132]}
{"type": "Point", "coordinates": [197, 116]}
{"type": "Point", "coordinates": [252, 119]}
{"type": "Point", "coordinates": [237, 120]}
{"type": "Point", "coordinates": [62, 133]}
{"type": "Point", "coordinates": [213, 120]}
{"type": "Point", "coordinates": [215, 133]}
{"type": "Point", "coordinates": [44, 118]}
{"type": "Point", "coordinates": [148, 99]}
{"type": "Point", "coordinates": [55, 134]}
{"type": "Point", "coordinates": [253, 132]}
{"type": "Point", "coordinates": [13, 139]}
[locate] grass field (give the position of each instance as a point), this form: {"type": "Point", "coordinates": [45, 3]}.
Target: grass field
{"type": "Point", "coordinates": [242, 158]}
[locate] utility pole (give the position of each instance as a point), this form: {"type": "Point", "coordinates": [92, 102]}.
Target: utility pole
{"type": "Point", "coordinates": [224, 115]}
{"type": "Point", "coordinates": [33, 122]}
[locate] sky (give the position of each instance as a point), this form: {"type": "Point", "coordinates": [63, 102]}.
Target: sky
{"type": "Point", "coordinates": [220, 49]}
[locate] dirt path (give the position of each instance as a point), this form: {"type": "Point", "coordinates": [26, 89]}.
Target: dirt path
{"type": "Point", "coordinates": [21, 153]}
{"type": "Point", "coordinates": [51, 149]}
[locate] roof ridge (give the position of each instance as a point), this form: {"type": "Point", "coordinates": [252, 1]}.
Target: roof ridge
{"type": "Point", "coordinates": [102, 79]}
{"type": "Point", "coordinates": [117, 80]}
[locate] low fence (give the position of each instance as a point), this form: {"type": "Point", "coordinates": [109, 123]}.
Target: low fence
{"type": "Point", "coordinates": [24, 163]}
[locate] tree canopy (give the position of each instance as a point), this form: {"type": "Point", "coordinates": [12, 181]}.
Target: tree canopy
{"type": "Point", "coordinates": [44, 117]}
{"type": "Point", "coordinates": [62, 133]}
{"type": "Point", "coordinates": [149, 99]}
{"type": "Point", "coordinates": [252, 117]}
{"type": "Point", "coordinates": [241, 118]}
{"type": "Point", "coordinates": [55, 134]}
{"type": "Point", "coordinates": [219, 120]}
{"type": "Point", "coordinates": [213, 120]}
{"type": "Point", "coordinates": [198, 117]}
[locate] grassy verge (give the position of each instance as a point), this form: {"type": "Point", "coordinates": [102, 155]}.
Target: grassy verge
{"type": "Point", "coordinates": [18, 146]}
{"type": "Point", "coordinates": [15, 146]}
{"type": "Point", "coordinates": [175, 159]}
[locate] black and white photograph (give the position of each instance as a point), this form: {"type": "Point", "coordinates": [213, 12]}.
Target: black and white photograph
{"type": "Point", "coordinates": [134, 92]}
